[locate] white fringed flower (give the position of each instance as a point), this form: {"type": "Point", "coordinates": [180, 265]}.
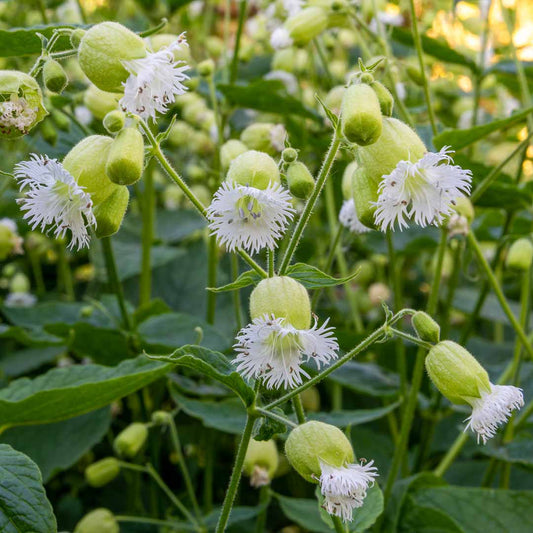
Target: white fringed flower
{"type": "Point", "coordinates": [425, 190]}
{"type": "Point", "coordinates": [53, 198]}
{"type": "Point", "coordinates": [493, 409]}
{"type": "Point", "coordinates": [348, 218]}
{"type": "Point", "coordinates": [16, 113]}
{"type": "Point", "coordinates": [272, 349]}
{"type": "Point", "coordinates": [154, 81]}
{"type": "Point", "coordinates": [249, 218]}
{"type": "Point", "coordinates": [280, 38]}
{"type": "Point", "coordinates": [344, 488]}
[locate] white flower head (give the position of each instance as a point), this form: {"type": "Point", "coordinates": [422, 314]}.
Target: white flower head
{"type": "Point", "coordinates": [52, 197]}
{"type": "Point", "coordinates": [249, 218]}
{"type": "Point", "coordinates": [425, 190]}
{"type": "Point", "coordinates": [348, 218]}
{"type": "Point", "coordinates": [154, 81]}
{"type": "Point", "coordinates": [344, 488]}
{"type": "Point", "coordinates": [20, 299]}
{"type": "Point", "coordinates": [493, 409]}
{"type": "Point", "coordinates": [272, 349]}
{"type": "Point", "coordinates": [280, 38]}
{"type": "Point", "coordinates": [16, 113]}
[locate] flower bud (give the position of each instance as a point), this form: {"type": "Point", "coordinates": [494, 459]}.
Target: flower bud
{"type": "Point", "coordinates": [261, 462]}
{"type": "Point", "coordinates": [125, 161]}
{"type": "Point", "coordinates": [102, 472]}
{"type": "Point", "coordinates": [206, 68]}
{"type": "Point", "coordinates": [99, 103]}
{"type": "Point", "coordinates": [76, 36]}
{"type": "Point", "coordinates": [102, 50]}
{"type": "Point", "coordinates": [366, 272]}
{"type": "Point", "coordinates": [289, 155]}
{"type": "Point", "coordinates": [110, 212]}
{"type": "Point", "coordinates": [283, 297]}
{"type": "Point", "coordinates": [311, 399]}
{"type": "Point", "coordinates": [19, 283]}
{"type": "Point", "coordinates": [307, 24]}
{"type": "Point", "coordinates": [264, 137]}
{"type": "Point", "coordinates": [520, 255]}
{"type": "Point", "coordinates": [255, 169]}
{"type": "Point", "coordinates": [129, 441]}
{"type": "Point", "coordinates": [214, 46]}
{"type": "Point", "coordinates": [98, 521]}
{"type": "Point", "coordinates": [456, 372]}
{"type": "Point", "coordinates": [426, 328]}
{"type": "Point", "coordinates": [301, 182]}
{"type": "Point", "coordinates": [361, 115]}
{"type": "Point", "coordinates": [54, 77]}
{"type": "Point", "coordinates": [21, 104]}
{"type": "Point", "coordinates": [230, 150]}
{"type": "Point", "coordinates": [386, 101]}
{"type": "Point", "coordinates": [114, 121]}
{"type": "Point", "coordinates": [161, 418]}
{"type": "Point", "coordinates": [312, 442]}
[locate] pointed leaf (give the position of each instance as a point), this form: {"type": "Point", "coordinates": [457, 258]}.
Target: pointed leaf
{"type": "Point", "coordinates": [313, 278]}
{"type": "Point", "coordinates": [244, 280]}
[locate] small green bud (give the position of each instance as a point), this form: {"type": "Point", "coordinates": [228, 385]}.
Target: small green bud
{"type": "Point", "coordinates": [180, 133]}
{"type": "Point", "coordinates": [98, 521]}
{"type": "Point", "coordinates": [456, 372]}
{"type": "Point", "coordinates": [255, 169]}
{"type": "Point", "coordinates": [99, 103]}
{"type": "Point", "coordinates": [311, 399]}
{"type": "Point", "coordinates": [19, 283]}
{"type": "Point", "coordinates": [49, 132]}
{"type": "Point", "coordinates": [312, 442]}
{"type": "Point", "coordinates": [161, 418]}
{"type": "Point", "coordinates": [125, 161]}
{"type": "Point", "coordinates": [230, 150]}
{"type": "Point", "coordinates": [214, 46]}
{"type": "Point", "coordinates": [520, 255]}
{"type": "Point", "coordinates": [366, 77]}
{"type": "Point", "coordinates": [426, 328]}
{"type": "Point", "coordinates": [110, 212]}
{"type": "Point", "coordinates": [76, 36]}
{"type": "Point", "coordinates": [366, 272]}
{"type": "Point", "coordinates": [283, 297]}
{"type": "Point", "coordinates": [361, 115]}
{"type": "Point", "coordinates": [102, 472]}
{"type": "Point", "coordinates": [206, 68]}
{"type": "Point", "coordinates": [87, 311]}
{"type": "Point", "coordinates": [129, 441]}
{"type": "Point", "coordinates": [264, 137]}
{"type": "Point", "coordinates": [54, 77]}
{"type": "Point", "coordinates": [301, 182]}
{"type": "Point", "coordinates": [114, 121]}
{"type": "Point", "coordinates": [307, 24]}
{"type": "Point", "coordinates": [260, 462]}
{"type": "Point", "coordinates": [102, 50]}
{"type": "Point", "coordinates": [289, 155]}
{"type": "Point", "coordinates": [386, 101]}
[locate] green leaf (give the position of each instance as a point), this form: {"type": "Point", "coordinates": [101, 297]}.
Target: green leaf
{"type": "Point", "coordinates": [366, 516]}
{"type": "Point", "coordinates": [228, 416]}
{"type": "Point", "coordinates": [517, 452]}
{"type": "Point", "coordinates": [353, 417]}
{"type": "Point", "coordinates": [63, 393]}
{"type": "Point", "coordinates": [458, 139]}
{"type": "Point", "coordinates": [19, 362]}
{"type": "Point", "coordinates": [269, 427]}
{"type": "Point", "coordinates": [434, 48]}
{"type": "Point", "coordinates": [313, 278]}
{"type": "Point", "coordinates": [266, 95]}
{"type": "Point", "coordinates": [60, 444]}
{"type": "Point", "coordinates": [25, 41]}
{"type": "Point", "coordinates": [210, 363]}
{"type": "Point", "coordinates": [24, 507]}
{"type": "Point", "coordinates": [243, 280]}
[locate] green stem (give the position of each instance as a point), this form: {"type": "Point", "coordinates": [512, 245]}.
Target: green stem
{"type": "Point", "coordinates": [236, 295]}
{"type": "Point", "coordinates": [264, 500]}
{"type": "Point", "coordinates": [311, 202]}
{"type": "Point", "coordinates": [420, 52]}
{"type": "Point", "coordinates": [451, 454]}
{"type": "Point", "coordinates": [65, 275]}
{"type": "Point", "coordinates": [411, 338]}
{"type": "Point", "coordinates": [499, 293]}
{"type": "Point", "coordinates": [235, 478]}
{"type": "Point", "coordinates": [299, 409]}
{"type": "Point", "coordinates": [235, 61]}
{"type": "Point", "coordinates": [148, 201]}
{"type": "Point", "coordinates": [337, 523]}
{"type": "Point", "coordinates": [114, 281]}
{"type": "Point", "coordinates": [37, 270]}
{"type": "Point", "coordinates": [275, 416]}
{"type": "Point", "coordinates": [212, 264]}
{"type": "Point", "coordinates": [183, 467]}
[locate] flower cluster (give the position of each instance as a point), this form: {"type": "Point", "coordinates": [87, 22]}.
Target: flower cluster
{"type": "Point", "coordinates": [16, 113]}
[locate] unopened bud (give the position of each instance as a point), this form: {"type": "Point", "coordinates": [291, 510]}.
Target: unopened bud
{"type": "Point", "coordinates": [99, 103]}
{"type": "Point", "coordinates": [110, 212]}
{"type": "Point", "coordinates": [347, 177]}
{"type": "Point", "coordinates": [255, 169]}
{"type": "Point", "coordinates": [102, 472]}
{"type": "Point", "coordinates": [289, 155]}
{"type": "Point", "coordinates": [261, 462]}
{"type": "Point", "coordinates": [520, 255]}
{"type": "Point", "coordinates": [230, 150]}
{"type": "Point", "coordinates": [114, 121]}
{"type": "Point", "coordinates": [386, 101]}
{"type": "Point", "coordinates": [264, 137]}
{"type": "Point", "coordinates": [206, 68]}
{"type": "Point", "coordinates": [129, 441]}
{"type": "Point", "coordinates": [307, 24]}
{"type": "Point", "coordinates": [98, 521]}
{"type": "Point", "coordinates": [161, 418]}
{"type": "Point", "coordinates": [125, 161]}
{"type": "Point", "coordinates": [19, 283]}
{"type": "Point", "coordinates": [301, 182]}
{"type": "Point", "coordinates": [283, 297]}
{"type": "Point", "coordinates": [426, 328]}
{"type": "Point", "coordinates": [54, 77]}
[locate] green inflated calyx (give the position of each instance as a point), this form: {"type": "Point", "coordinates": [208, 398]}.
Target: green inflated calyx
{"type": "Point", "coordinates": [426, 328]}
{"type": "Point", "coordinates": [98, 521]}
{"type": "Point", "coordinates": [385, 98]}
{"type": "Point", "coordinates": [361, 115]}
{"type": "Point", "coordinates": [312, 442]}
{"type": "Point", "coordinates": [109, 214]}
{"type": "Point", "coordinates": [125, 161]}
{"type": "Point", "coordinates": [456, 372]}
{"type": "Point", "coordinates": [129, 441]}
{"type": "Point", "coordinates": [102, 472]}
{"type": "Point", "coordinates": [102, 50]}
{"type": "Point", "coordinates": [307, 24]}
{"type": "Point", "coordinates": [261, 462]}
{"type": "Point", "coordinates": [230, 150]}
{"type": "Point", "coordinates": [254, 169]}
{"type": "Point", "coordinates": [520, 255]}
{"type": "Point", "coordinates": [54, 77]}
{"type": "Point", "coordinates": [282, 297]}
{"type": "Point", "coordinates": [300, 181]}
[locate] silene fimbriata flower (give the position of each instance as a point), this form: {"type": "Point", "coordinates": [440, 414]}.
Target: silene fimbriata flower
{"type": "Point", "coordinates": [52, 197]}
{"type": "Point", "coordinates": [249, 218]}
{"type": "Point", "coordinates": [344, 488]}
{"type": "Point", "coordinates": [16, 113]}
{"type": "Point", "coordinates": [348, 218]}
{"type": "Point", "coordinates": [425, 191]}
{"type": "Point", "coordinates": [154, 81]}
{"type": "Point", "coordinates": [273, 350]}
{"type": "Point", "coordinates": [492, 409]}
